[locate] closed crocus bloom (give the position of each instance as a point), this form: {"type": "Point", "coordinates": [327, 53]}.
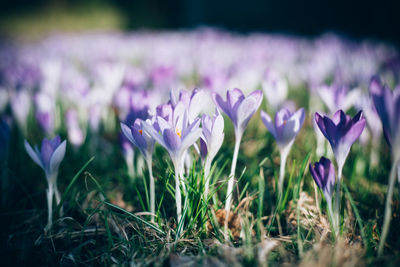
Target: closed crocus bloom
{"type": "Point", "coordinates": [341, 131]}
{"type": "Point", "coordinates": [213, 134]}
{"type": "Point", "coordinates": [141, 139]}
{"type": "Point", "coordinates": [285, 129]}
{"type": "Point", "coordinates": [286, 126]}
{"type": "Point", "coordinates": [45, 108]}
{"type": "Point", "coordinates": [49, 158]}
{"type": "Point", "coordinates": [387, 104]}
{"type": "Point", "coordinates": [210, 142]}
{"type": "Point", "coordinates": [323, 173]}
{"type": "Point", "coordinates": [239, 108]}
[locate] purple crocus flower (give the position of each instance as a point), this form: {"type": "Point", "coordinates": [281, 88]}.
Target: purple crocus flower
{"type": "Point", "coordinates": [213, 134]}
{"type": "Point", "coordinates": [142, 140]}
{"type": "Point", "coordinates": [239, 108]}
{"type": "Point", "coordinates": [285, 129]}
{"type": "Point", "coordinates": [286, 126]}
{"type": "Point", "coordinates": [323, 173]}
{"type": "Point", "coordinates": [341, 131]}
{"type": "Point", "coordinates": [387, 104]}
{"type": "Point", "coordinates": [176, 137]}
{"type": "Point", "coordinates": [49, 157]}
{"type": "Point", "coordinates": [210, 142]}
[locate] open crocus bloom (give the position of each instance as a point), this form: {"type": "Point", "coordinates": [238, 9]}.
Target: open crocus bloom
{"type": "Point", "coordinates": [341, 131]}
{"type": "Point", "coordinates": [176, 136]}
{"type": "Point", "coordinates": [286, 126]}
{"type": "Point", "coordinates": [387, 104]}
{"type": "Point", "coordinates": [239, 108]}
{"type": "Point", "coordinates": [50, 155]}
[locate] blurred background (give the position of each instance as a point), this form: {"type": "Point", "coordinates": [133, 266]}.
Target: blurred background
{"type": "Point", "coordinates": [356, 19]}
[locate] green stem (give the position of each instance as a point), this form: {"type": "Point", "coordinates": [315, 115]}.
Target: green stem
{"type": "Point", "coordinates": [152, 187]}
{"type": "Point", "coordinates": [340, 170]}
{"type": "Point", "coordinates": [231, 180]}
{"type": "Point", "coordinates": [388, 209]}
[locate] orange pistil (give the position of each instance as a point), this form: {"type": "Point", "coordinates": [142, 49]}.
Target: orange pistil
{"type": "Point", "coordinates": [141, 132]}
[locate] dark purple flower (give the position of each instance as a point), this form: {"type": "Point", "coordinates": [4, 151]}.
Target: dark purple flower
{"type": "Point", "coordinates": [50, 155]}
{"type": "Point", "coordinates": [341, 131]}
{"type": "Point", "coordinates": [387, 104]}
{"type": "Point", "coordinates": [323, 173]}
{"type": "Point", "coordinates": [239, 108]}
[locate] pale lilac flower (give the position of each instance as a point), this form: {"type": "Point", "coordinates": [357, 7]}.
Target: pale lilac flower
{"type": "Point", "coordinates": [239, 109]}
{"type": "Point", "coordinates": [49, 158]}
{"type": "Point", "coordinates": [145, 143]}
{"type": "Point", "coordinates": [210, 142]}
{"type": "Point", "coordinates": [285, 129]}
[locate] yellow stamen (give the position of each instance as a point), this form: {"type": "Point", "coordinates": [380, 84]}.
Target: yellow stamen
{"type": "Point", "coordinates": [178, 133]}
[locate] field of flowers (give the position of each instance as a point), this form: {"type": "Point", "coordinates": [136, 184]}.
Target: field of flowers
{"type": "Point", "coordinates": [199, 147]}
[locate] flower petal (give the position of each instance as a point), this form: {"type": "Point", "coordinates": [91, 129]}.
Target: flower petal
{"type": "Point", "coordinates": [171, 140]}
{"type": "Point", "coordinates": [57, 157]}
{"type": "Point", "coordinates": [34, 156]}
{"type": "Point", "coordinates": [266, 119]}
{"type": "Point", "coordinates": [127, 132]}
